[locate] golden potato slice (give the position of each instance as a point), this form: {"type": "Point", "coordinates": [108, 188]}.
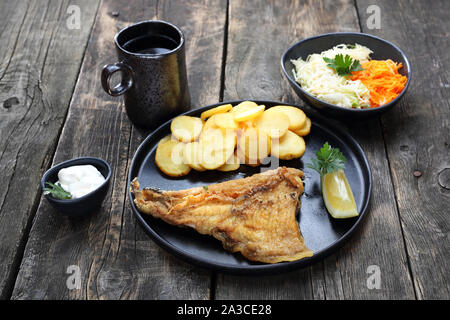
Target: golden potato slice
{"type": "Point", "coordinates": [225, 120]}
{"type": "Point", "coordinates": [191, 156]}
{"type": "Point", "coordinates": [244, 105]}
{"type": "Point", "coordinates": [231, 164]}
{"type": "Point", "coordinates": [274, 123]}
{"type": "Point", "coordinates": [288, 147]}
{"type": "Point", "coordinates": [167, 138]}
{"type": "Point", "coordinates": [169, 158]}
{"type": "Point", "coordinates": [244, 160]}
{"type": "Point", "coordinates": [254, 144]}
{"type": "Point", "coordinates": [229, 167]}
{"type": "Point", "coordinates": [248, 114]}
{"type": "Point", "coordinates": [208, 125]}
{"type": "Point", "coordinates": [186, 128]}
{"type": "Point", "coordinates": [246, 124]}
{"type": "Point", "coordinates": [213, 158]}
{"type": "Point", "coordinates": [296, 116]}
{"type": "Point", "coordinates": [177, 153]}
{"type": "Point", "coordinates": [305, 130]}
{"type": "Point", "coordinates": [217, 146]}
{"type": "Point", "coordinates": [220, 109]}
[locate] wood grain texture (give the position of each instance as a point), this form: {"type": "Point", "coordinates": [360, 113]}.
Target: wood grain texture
{"type": "Point", "coordinates": [116, 258]}
{"type": "Point", "coordinates": [417, 135]}
{"type": "Point", "coordinates": [258, 35]}
{"type": "Point", "coordinates": [40, 58]}
{"type": "Point", "coordinates": [406, 231]}
{"type": "Point", "coordinates": [260, 32]}
{"type": "Point", "coordinates": [203, 23]}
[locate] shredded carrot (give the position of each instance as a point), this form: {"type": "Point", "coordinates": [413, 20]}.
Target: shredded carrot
{"type": "Point", "coordinates": [382, 79]}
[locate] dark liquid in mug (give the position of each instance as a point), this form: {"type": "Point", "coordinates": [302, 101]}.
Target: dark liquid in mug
{"type": "Point", "coordinates": [150, 44]}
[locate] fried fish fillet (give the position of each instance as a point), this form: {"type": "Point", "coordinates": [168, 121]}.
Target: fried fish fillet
{"type": "Point", "coordinates": [254, 216]}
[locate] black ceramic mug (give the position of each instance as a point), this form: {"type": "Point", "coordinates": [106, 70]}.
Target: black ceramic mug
{"type": "Point", "coordinates": [153, 67]}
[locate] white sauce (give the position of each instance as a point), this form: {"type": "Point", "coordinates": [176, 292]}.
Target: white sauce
{"type": "Point", "coordinates": [80, 180]}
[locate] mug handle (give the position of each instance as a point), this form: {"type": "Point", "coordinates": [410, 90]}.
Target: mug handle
{"type": "Point", "coordinates": [125, 84]}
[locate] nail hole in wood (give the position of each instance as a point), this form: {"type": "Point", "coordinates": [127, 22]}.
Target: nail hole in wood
{"type": "Point", "coordinates": [444, 178]}
{"type": "Point", "coordinates": [8, 103]}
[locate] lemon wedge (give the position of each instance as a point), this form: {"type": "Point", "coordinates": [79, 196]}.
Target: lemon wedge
{"type": "Point", "coordinates": [338, 196]}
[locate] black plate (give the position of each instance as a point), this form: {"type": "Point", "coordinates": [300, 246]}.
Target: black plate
{"type": "Point", "coordinates": [322, 233]}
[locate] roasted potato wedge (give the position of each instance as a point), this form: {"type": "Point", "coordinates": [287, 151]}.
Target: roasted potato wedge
{"type": "Point", "coordinates": [305, 130]}
{"type": "Point", "coordinates": [297, 117]}
{"type": "Point", "coordinates": [254, 144]}
{"type": "Point", "coordinates": [273, 122]}
{"type": "Point", "coordinates": [169, 158]}
{"type": "Point", "coordinates": [186, 128]}
{"type": "Point", "coordinates": [192, 155]}
{"type": "Point", "coordinates": [288, 147]}
{"type": "Point", "coordinates": [220, 109]}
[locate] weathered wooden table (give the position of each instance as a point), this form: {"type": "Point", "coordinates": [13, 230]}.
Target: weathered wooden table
{"type": "Point", "coordinates": [53, 108]}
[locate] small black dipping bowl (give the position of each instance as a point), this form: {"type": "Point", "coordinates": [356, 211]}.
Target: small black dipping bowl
{"type": "Point", "coordinates": [87, 203]}
{"type": "Point", "coordinates": [382, 50]}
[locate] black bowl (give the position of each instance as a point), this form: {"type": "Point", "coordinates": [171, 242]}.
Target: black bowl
{"type": "Point", "coordinates": [382, 50]}
{"type": "Point", "coordinates": [87, 203]}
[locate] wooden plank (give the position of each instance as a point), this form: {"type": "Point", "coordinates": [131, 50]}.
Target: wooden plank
{"type": "Point", "coordinates": [417, 136]}
{"type": "Point", "coordinates": [115, 258]}
{"type": "Point", "coordinates": [258, 35]}
{"type": "Point", "coordinates": [377, 246]}
{"type": "Point", "coordinates": [40, 58]}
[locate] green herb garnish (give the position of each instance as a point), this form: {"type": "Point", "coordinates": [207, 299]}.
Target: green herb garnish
{"type": "Point", "coordinates": [327, 160]}
{"type": "Point", "coordinates": [57, 191]}
{"type": "Point", "coordinates": [205, 187]}
{"type": "Point", "coordinates": [344, 66]}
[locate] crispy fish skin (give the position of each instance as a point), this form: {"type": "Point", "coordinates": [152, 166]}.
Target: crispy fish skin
{"type": "Point", "coordinates": [254, 216]}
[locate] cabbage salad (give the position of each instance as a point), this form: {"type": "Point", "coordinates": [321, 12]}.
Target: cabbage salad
{"type": "Point", "coordinates": [318, 79]}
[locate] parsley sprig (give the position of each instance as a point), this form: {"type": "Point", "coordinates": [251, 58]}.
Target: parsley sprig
{"type": "Point", "coordinates": [57, 191]}
{"type": "Point", "coordinates": [327, 160]}
{"type": "Point", "coordinates": [344, 65]}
